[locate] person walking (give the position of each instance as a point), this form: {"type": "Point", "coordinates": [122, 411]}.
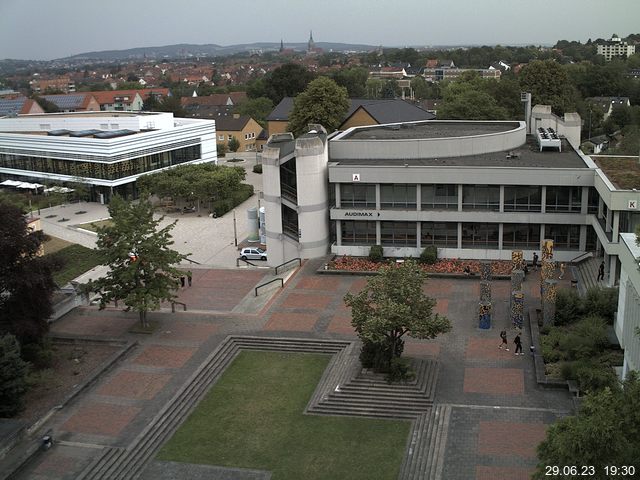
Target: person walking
{"type": "Point", "coordinates": [189, 277]}
{"type": "Point", "coordinates": [601, 272]}
{"type": "Point", "coordinates": [518, 343]}
{"type": "Point", "coordinates": [504, 344]}
{"type": "Point", "coordinates": [534, 263]}
{"type": "Point", "coordinates": [182, 281]}
{"type": "Point", "coordinates": [562, 269]}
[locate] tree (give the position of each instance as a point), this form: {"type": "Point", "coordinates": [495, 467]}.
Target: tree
{"type": "Point", "coordinates": [391, 305]}
{"type": "Point", "coordinates": [256, 108]}
{"type": "Point", "coordinates": [549, 84]}
{"type": "Point", "coordinates": [221, 149]}
{"type": "Point", "coordinates": [26, 284]}
{"type": "Point", "coordinates": [323, 102]}
{"type": "Point", "coordinates": [234, 144]}
{"type": "Point", "coordinates": [141, 264]}
{"type": "Point", "coordinates": [604, 432]}
{"type": "Point", "coordinates": [353, 79]}
{"type": "Point", "coordinates": [286, 81]}
{"type": "Point", "coordinates": [13, 377]}
{"type": "Point", "coordinates": [47, 106]}
{"type": "Point", "coordinates": [468, 99]}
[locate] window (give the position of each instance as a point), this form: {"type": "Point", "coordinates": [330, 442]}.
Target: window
{"type": "Point", "coordinates": [564, 199]}
{"type": "Point", "coordinates": [352, 195]}
{"type": "Point", "coordinates": [358, 232]}
{"type": "Point", "coordinates": [481, 197]}
{"type": "Point", "coordinates": [230, 137]}
{"type": "Point", "coordinates": [522, 199]}
{"type": "Point", "coordinates": [565, 237]}
{"type": "Point", "coordinates": [480, 235]}
{"type": "Point", "coordinates": [439, 197]}
{"type": "Point", "coordinates": [516, 235]}
{"type": "Point", "coordinates": [439, 234]}
{"type": "Point", "coordinates": [594, 199]}
{"type": "Point", "coordinates": [221, 138]}
{"type": "Point", "coordinates": [399, 196]}
{"type": "Point", "coordinates": [398, 234]}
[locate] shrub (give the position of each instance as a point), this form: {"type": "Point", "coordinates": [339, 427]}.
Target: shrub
{"type": "Point", "coordinates": [376, 253]}
{"type": "Point", "coordinates": [40, 355]}
{"type": "Point", "coordinates": [400, 371]}
{"type": "Point", "coordinates": [586, 338]}
{"type": "Point", "coordinates": [602, 302]}
{"type": "Point", "coordinates": [550, 344]}
{"type": "Point", "coordinates": [222, 206]}
{"type": "Point", "coordinates": [377, 355]}
{"type": "Point", "coordinates": [591, 375]}
{"type": "Point", "coordinates": [568, 306]}
{"type": "Point", "coordinates": [222, 149]}
{"type": "Point", "coordinates": [429, 255]}
{"type": "Point", "coordinates": [13, 377]}
{"type": "Point", "coordinates": [257, 168]}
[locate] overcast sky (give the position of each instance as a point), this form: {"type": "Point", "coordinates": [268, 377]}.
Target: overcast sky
{"type": "Point", "coordinates": [46, 29]}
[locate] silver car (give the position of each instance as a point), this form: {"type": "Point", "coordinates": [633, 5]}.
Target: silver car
{"type": "Point", "coordinates": [251, 253]}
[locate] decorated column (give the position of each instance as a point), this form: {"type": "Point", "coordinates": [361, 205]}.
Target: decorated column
{"type": "Point", "coordinates": [549, 302]}
{"type": "Point", "coordinates": [517, 260]}
{"type": "Point", "coordinates": [484, 315]}
{"type": "Point", "coordinates": [517, 308]}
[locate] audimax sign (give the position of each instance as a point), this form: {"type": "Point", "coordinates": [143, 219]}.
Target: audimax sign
{"type": "Point", "coordinates": [361, 214]}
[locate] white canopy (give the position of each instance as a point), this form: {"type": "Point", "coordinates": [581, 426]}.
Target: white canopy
{"type": "Point", "coordinates": [30, 186]}
{"type": "Point", "coordinates": [57, 189]}
{"type": "Point", "coordinates": [10, 183]}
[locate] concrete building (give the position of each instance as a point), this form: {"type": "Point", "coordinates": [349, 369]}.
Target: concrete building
{"type": "Point", "coordinates": [106, 151]}
{"type": "Point", "coordinates": [18, 106]}
{"type": "Point", "coordinates": [74, 102]}
{"type": "Point", "coordinates": [615, 47]}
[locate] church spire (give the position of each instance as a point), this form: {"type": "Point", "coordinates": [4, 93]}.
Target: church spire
{"type": "Point", "coordinates": [281, 46]}
{"type": "Point", "coordinates": [311, 44]}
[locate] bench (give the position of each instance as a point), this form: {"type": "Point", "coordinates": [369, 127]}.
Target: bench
{"type": "Point", "coordinates": [573, 387]}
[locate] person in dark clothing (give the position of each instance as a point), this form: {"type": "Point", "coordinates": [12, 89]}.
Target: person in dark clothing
{"type": "Point", "coordinates": [601, 272]}
{"type": "Point", "coordinates": [518, 343]}
{"type": "Point", "coordinates": [467, 270]}
{"type": "Point", "coordinates": [189, 277]}
{"type": "Point", "coordinates": [534, 263]}
{"type": "Point", "coordinates": [182, 281]}
{"type": "Point", "coordinates": [504, 344]}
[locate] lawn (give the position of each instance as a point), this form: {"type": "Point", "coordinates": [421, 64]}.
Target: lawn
{"type": "Point", "coordinates": [93, 226]}
{"type": "Point", "coordinates": [253, 418]}
{"type": "Point", "coordinates": [74, 260]}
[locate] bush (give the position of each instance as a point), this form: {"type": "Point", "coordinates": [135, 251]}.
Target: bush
{"type": "Point", "coordinates": [13, 377]}
{"type": "Point", "coordinates": [587, 338]}
{"type": "Point", "coordinates": [602, 302]}
{"type": "Point", "coordinates": [377, 355]}
{"type": "Point", "coordinates": [222, 206]}
{"type": "Point", "coordinates": [40, 355]}
{"type": "Point", "coordinates": [400, 371]}
{"type": "Point", "coordinates": [429, 255]}
{"type": "Point", "coordinates": [222, 149]}
{"type": "Point", "coordinates": [257, 168]}
{"type": "Point", "coordinates": [591, 375]}
{"type": "Point", "coordinates": [550, 344]}
{"type": "Point", "coordinates": [568, 306]}
{"type": "Point", "coordinates": [376, 253]}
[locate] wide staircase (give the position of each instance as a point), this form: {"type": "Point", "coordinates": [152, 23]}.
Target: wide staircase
{"type": "Point", "coordinates": [587, 271]}
{"type": "Point", "coordinates": [343, 390]}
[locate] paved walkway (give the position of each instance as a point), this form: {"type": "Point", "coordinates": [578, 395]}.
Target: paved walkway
{"type": "Point", "coordinates": [498, 412]}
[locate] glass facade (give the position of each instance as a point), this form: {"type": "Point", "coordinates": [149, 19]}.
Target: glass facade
{"type": "Point", "coordinates": [290, 222]}
{"type": "Point", "coordinates": [439, 197]}
{"type": "Point", "coordinates": [520, 235]}
{"type": "Point", "coordinates": [565, 237]}
{"type": "Point", "coordinates": [358, 233]}
{"type": "Point", "coordinates": [289, 181]}
{"type": "Point", "coordinates": [443, 234]}
{"type": "Point", "coordinates": [481, 197]}
{"type": "Point", "coordinates": [522, 199]}
{"type": "Point", "coordinates": [564, 199]}
{"type": "Point", "coordinates": [398, 196]}
{"type": "Point", "coordinates": [480, 235]}
{"type": "Point", "coordinates": [101, 170]}
{"type": "Point", "coordinates": [398, 234]}
{"type": "Point", "coordinates": [357, 195]}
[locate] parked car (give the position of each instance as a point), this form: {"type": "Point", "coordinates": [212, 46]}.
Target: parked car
{"type": "Point", "coordinates": [251, 253]}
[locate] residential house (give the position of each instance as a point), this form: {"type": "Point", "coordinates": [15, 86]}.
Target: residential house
{"type": "Point", "coordinates": [244, 128]}
{"type": "Point", "coordinates": [615, 47]}
{"type": "Point", "coordinates": [607, 104]}
{"type": "Point", "coordinates": [10, 107]}
{"type": "Point", "coordinates": [127, 100]}
{"type": "Point", "coordinates": [74, 102]}
{"type": "Point", "coordinates": [595, 145]}
{"type": "Point", "coordinates": [64, 84]}
{"type": "Point", "coordinates": [217, 99]}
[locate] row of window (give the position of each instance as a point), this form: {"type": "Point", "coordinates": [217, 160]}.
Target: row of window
{"type": "Point", "coordinates": [474, 197]}
{"type": "Point", "coordinates": [247, 136]}
{"type": "Point", "coordinates": [106, 171]}
{"type": "Point", "coordinates": [445, 234]}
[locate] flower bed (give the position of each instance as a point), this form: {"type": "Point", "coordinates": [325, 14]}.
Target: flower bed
{"type": "Point", "coordinates": [445, 265]}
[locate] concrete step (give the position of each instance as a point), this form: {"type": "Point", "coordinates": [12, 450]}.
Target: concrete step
{"type": "Point", "coordinates": [418, 429]}
{"type": "Point", "coordinates": [363, 412]}
{"type": "Point", "coordinates": [404, 404]}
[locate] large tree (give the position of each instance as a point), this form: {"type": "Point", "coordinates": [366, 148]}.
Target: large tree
{"type": "Point", "coordinates": [391, 305]}
{"type": "Point", "coordinates": [142, 271]}
{"type": "Point", "coordinates": [605, 431]}
{"type": "Point", "coordinates": [354, 79]}
{"type": "Point", "coordinates": [13, 374]}
{"type": "Point", "coordinates": [549, 84]}
{"type": "Point", "coordinates": [26, 284]}
{"type": "Point", "coordinates": [469, 99]}
{"type": "Point", "coordinates": [323, 102]}
{"type": "Point", "coordinates": [286, 81]}
{"type": "Point", "coordinates": [257, 108]}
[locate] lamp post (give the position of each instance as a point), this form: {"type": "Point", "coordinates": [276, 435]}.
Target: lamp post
{"type": "Point", "coordinates": [235, 230]}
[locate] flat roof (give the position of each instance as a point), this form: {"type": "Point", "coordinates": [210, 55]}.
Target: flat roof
{"type": "Point", "coordinates": [623, 172]}
{"type": "Point", "coordinates": [101, 113]}
{"type": "Point", "coordinates": [429, 129]}
{"type": "Point", "coordinates": [525, 156]}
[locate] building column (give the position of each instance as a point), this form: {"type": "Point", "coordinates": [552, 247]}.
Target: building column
{"type": "Point", "coordinates": [500, 232]}
{"type": "Point", "coordinates": [418, 197]}
{"type": "Point", "coordinates": [459, 234]}
{"type": "Point", "coordinates": [501, 206]}
{"type": "Point", "coordinates": [378, 233]}
{"type": "Point", "coordinates": [338, 199]}
{"type": "Point", "coordinates": [582, 244]}
{"type": "Point", "coordinates": [584, 202]}
{"type": "Point", "coordinates": [600, 209]}
{"type": "Point", "coordinates": [418, 234]}
{"type": "Point", "coordinates": [459, 200]}
{"type": "Point", "coordinates": [378, 197]}
{"type": "Point", "coordinates": [543, 199]}
{"type": "Point", "coordinates": [616, 226]}
{"type": "Point", "coordinates": [542, 225]}
{"type": "Point", "coordinates": [338, 232]}
{"type": "Point", "coordinates": [608, 221]}
{"type": "Point", "coordinates": [613, 260]}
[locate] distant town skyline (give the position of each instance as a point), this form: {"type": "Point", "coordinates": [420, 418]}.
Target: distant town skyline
{"type": "Point", "coordinates": [35, 30]}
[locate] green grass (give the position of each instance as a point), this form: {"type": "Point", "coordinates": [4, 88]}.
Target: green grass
{"type": "Point", "coordinates": [93, 226]}
{"type": "Point", "coordinates": [253, 418]}
{"type": "Point", "coordinates": [74, 260]}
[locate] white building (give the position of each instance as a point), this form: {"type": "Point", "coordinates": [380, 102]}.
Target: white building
{"type": "Point", "coordinates": [107, 150]}
{"type": "Point", "coordinates": [615, 47]}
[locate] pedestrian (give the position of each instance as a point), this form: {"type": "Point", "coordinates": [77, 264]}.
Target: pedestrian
{"type": "Point", "coordinates": [182, 281]}
{"type": "Point", "coordinates": [601, 272]}
{"type": "Point", "coordinates": [534, 263]}
{"type": "Point", "coordinates": [562, 269]}
{"type": "Point", "coordinates": [189, 277]}
{"type": "Point", "coordinates": [503, 336]}
{"type": "Point", "coordinates": [518, 343]}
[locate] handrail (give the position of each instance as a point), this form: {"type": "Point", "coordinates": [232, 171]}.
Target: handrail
{"type": "Point", "coordinates": [573, 261]}
{"type": "Point", "coordinates": [289, 261]}
{"type": "Point", "coordinates": [267, 283]}
{"type": "Point", "coordinates": [245, 261]}
{"type": "Point", "coordinates": [192, 261]}
{"type": "Point", "coordinates": [173, 306]}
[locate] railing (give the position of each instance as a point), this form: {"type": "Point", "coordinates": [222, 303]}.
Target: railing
{"type": "Point", "coordinates": [579, 258]}
{"type": "Point", "coordinates": [239, 259]}
{"type": "Point", "coordinates": [267, 283]}
{"type": "Point", "coordinates": [192, 261]}
{"type": "Point", "coordinates": [298, 259]}
{"type": "Point", "coordinates": [173, 306]}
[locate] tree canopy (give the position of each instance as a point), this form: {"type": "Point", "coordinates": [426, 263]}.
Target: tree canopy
{"type": "Point", "coordinates": [549, 84]}
{"type": "Point", "coordinates": [142, 271]}
{"type": "Point", "coordinates": [469, 99]}
{"type": "Point", "coordinates": [13, 373]}
{"type": "Point", "coordinates": [354, 79]}
{"type": "Point", "coordinates": [26, 284]}
{"type": "Point", "coordinates": [393, 304]}
{"type": "Point", "coordinates": [286, 81]}
{"type": "Point", "coordinates": [604, 432]}
{"type": "Point", "coordinates": [257, 108]}
{"type": "Point", "coordinates": [323, 102]}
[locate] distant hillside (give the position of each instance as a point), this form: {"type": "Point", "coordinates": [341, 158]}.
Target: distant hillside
{"type": "Point", "coordinates": [211, 50]}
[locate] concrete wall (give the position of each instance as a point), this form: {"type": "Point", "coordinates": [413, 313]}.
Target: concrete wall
{"type": "Point", "coordinates": [628, 315]}
{"type": "Point", "coordinates": [272, 203]}
{"type": "Point", "coordinates": [85, 121]}
{"type": "Point", "coordinates": [569, 126]}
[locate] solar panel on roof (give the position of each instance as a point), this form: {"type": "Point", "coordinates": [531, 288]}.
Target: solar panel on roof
{"type": "Point", "coordinates": [114, 134]}
{"type": "Point", "coordinates": [58, 133]}
{"type": "Point", "coordinates": [65, 102]}
{"type": "Point", "coordinates": [84, 133]}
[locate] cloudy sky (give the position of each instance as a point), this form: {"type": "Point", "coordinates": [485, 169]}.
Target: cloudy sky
{"type": "Point", "coordinates": [45, 29]}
